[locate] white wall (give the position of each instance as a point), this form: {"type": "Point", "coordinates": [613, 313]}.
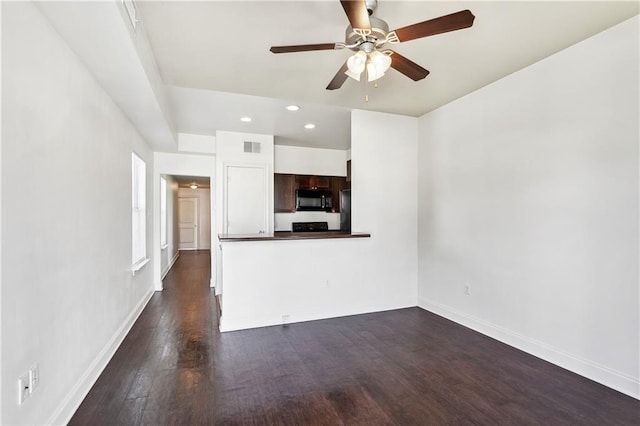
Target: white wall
{"type": "Point", "coordinates": [68, 295]}
{"type": "Point", "coordinates": [308, 161]}
{"type": "Point", "coordinates": [384, 179]}
{"type": "Point", "coordinates": [169, 254]}
{"type": "Point", "coordinates": [204, 214]}
{"type": "Point", "coordinates": [201, 144]}
{"type": "Point", "coordinates": [185, 165]}
{"type": "Point", "coordinates": [120, 59]}
{"type": "Point", "coordinates": [529, 194]}
{"type": "Point", "coordinates": [1, 393]}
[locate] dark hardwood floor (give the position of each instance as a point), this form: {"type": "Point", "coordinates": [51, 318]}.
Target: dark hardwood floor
{"type": "Point", "coordinates": [399, 367]}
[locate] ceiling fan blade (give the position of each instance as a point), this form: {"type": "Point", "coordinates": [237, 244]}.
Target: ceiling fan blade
{"type": "Point", "coordinates": [339, 78]}
{"type": "Point", "coordinates": [303, 48]}
{"type": "Point", "coordinates": [443, 24]}
{"type": "Point", "coordinates": [407, 67]}
{"type": "Point", "coordinates": [357, 13]}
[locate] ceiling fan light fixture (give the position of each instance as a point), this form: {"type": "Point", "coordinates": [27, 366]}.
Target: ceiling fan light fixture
{"type": "Point", "coordinates": [353, 75]}
{"type": "Point", "coordinates": [377, 65]}
{"type": "Point", "coordinates": [373, 75]}
{"type": "Point", "coordinates": [380, 60]}
{"type": "Point", "coordinates": [356, 65]}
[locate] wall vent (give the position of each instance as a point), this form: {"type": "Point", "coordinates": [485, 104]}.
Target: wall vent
{"type": "Point", "coordinates": [252, 147]}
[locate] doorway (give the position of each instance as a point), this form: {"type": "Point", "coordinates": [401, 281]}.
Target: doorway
{"type": "Point", "coordinates": [194, 212]}
{"type": "Point", "coordinates": [179, 171]}
{"type": "Point", "coordinates": [185, 217]}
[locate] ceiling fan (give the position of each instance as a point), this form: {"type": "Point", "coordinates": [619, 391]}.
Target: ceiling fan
{"type": "Point", "coordinates": [368, 35]}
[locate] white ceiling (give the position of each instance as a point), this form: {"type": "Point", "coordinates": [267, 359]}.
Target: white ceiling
{"type": "Point", "coordinates": [202, 112]}
{"type": "Point", "coordinates": [208, 51]}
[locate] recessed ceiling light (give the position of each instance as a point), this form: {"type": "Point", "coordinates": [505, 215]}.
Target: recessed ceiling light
{"type": "Point", "coordinates": [293, 107]}
{"type": "Point", "coordinates": [246, 119]}
{"type": "Point", "coordinates": [309, 126]}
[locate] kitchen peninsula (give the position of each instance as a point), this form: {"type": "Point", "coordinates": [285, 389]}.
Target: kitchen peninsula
{"type": "Point", "coordinates": [274, 279]}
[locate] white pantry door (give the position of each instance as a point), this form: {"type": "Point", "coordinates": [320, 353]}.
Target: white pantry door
{"type": "Point", "coordinates": [246, 207]}
{"type": "Point", "coordinates": [188, 222]}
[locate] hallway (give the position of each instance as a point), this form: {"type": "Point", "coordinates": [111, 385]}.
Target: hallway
{"type": "Point", "coordinates": [165, 359]}
{"type": "Point", "coordinates": [399, 367]}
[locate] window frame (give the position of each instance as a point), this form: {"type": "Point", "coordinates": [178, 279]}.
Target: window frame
{"type": "Point", "coordinates": [138, 212]}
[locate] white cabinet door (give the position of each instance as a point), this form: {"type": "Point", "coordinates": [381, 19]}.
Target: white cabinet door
{"type": "Point", "coordinates": [246, 199]}
{"type": "Point", "coordinates": [188, 222]}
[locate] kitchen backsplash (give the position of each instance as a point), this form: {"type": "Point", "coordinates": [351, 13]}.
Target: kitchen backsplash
{"type": "Point", "coordinates": [283, 220]}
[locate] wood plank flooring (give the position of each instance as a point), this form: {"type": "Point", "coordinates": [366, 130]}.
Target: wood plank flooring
{"type": "Point", "coordinates": [403, 367]}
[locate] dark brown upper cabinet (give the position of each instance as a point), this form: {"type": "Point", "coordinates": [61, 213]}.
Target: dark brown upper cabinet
{"type": "Point", "coordinates": [284, 193]}
{"type": "Point", "coordinates": [313, 182]}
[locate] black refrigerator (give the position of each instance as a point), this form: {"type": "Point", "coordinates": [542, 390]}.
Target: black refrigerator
{"type": "Point", "coordinates": [345, 210]}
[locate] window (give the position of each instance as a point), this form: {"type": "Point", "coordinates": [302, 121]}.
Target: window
{"type": "Point", "coordinates": [163, 212]}
{"type": "Point", "coordinates": [139, 212]}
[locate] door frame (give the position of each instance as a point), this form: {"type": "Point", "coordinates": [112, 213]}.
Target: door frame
{"type": "Point", "coordinates": [183, 165]}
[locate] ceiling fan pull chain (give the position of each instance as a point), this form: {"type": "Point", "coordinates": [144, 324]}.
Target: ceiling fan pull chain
{"type": "Point", "coordinates": [366, 87]}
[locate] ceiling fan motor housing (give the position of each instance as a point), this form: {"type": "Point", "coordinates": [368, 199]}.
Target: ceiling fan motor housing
{"type": "Point", "coordinates": [371, 6]}
{"type": "Point", "coordinates": [378, 34]}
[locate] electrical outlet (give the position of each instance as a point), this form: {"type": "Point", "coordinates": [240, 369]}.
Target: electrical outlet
{"type": "Point", "coordinates": [34, 377]}
{"type": "Point", "coordinates": [467, 289]}
{"type": "Point", "coordinates": [285, 319]}
{"type": "Point", "coordinates": [24, 390]}
{"type": "Point", "coordinates": [327, 284]}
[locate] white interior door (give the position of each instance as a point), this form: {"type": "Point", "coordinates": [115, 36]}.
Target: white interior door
{"type": "Point", "coordinates": [246, 196]}
{"type": "Point", "coordinates": [188, 222]}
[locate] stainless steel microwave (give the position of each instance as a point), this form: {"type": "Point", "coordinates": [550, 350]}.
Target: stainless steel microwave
{"type": "Point", "coordinates": [313, 200]}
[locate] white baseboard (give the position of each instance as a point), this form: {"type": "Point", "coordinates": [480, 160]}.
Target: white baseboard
{"type": "Point", "coordinates": [243, 323]}
{"type": "Point", "coordinates": [62, 415]}
{"type": "Point", "coordinates": [591, 370]}
{"type": "Point", "coordinates": [170, 265]}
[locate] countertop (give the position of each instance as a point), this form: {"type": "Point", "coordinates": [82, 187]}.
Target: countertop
{"type": "Point", "coordinates": [288, 235]}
